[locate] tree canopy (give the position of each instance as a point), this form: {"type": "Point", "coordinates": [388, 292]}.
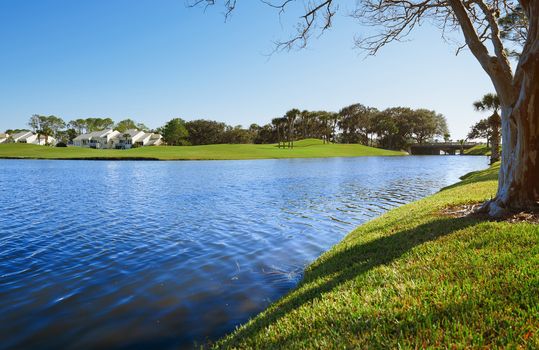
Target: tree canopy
{"type": "Point", "coordinates": [175, 133]}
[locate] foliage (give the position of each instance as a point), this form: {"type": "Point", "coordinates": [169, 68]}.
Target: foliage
{"type": "Point", "coordinates": [514, 30]}
{"type": "Point", "coordinates": [263, 134]}
{"type": "Point", "coordinates": [481, 130]}
{"type": "Point", "coordinates": [46, 126]}
{"type": "Point", "coordinates": [357, 123]}
{"type": "Point", "coordinates": [205, 132]}
{"type": "Point", "coordinates": [66, 136]}
{"type": "Point", "coordinates": [399, 127]}
{"type": "Point", "coordinates": [127, 124]}
{"type": "Point", "coordinates": [237, 135]}
{"type": "Point", "coordinates": [174, 132]}
{"type": "Point", "coordinates": [490, 102]}
{"type": "Point", "coordinates": [82, 126]}
{"type": "Point", "coordinates": [413, 278]}
{"type": "Point", "coordinates": [15, 131]}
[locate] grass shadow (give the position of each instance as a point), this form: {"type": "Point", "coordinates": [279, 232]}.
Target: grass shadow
{"type": "Point", "coordinates": [337, 268]}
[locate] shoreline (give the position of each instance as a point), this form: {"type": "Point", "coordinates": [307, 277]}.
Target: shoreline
{"type": "Point", "coordinates": [198, 159]}
{"type": "Point", "coordinates": [394, 281]}
{"type": "Point", "coordinates": [304, 149]}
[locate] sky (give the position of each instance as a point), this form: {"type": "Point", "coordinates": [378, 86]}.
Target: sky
{"type": "Point", "coordinates": [155, 60]}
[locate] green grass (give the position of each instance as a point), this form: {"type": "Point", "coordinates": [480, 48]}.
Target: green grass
{"type": "Point", "coordinates": [310, 148]}
{"type": "Point", "coordinates": [479, 150]}
{"type": "Point", "coordinates": [414, 278]}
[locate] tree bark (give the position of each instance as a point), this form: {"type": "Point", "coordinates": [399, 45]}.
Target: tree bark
{"type": "Point", "coordinates": [518, 187]}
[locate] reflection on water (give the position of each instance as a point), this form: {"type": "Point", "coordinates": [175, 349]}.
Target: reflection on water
{"type": "Point", "coordinates": [163, 254]}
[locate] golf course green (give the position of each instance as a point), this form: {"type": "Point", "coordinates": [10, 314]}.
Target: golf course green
{"type": "Point", "coordinates": [308, 148]}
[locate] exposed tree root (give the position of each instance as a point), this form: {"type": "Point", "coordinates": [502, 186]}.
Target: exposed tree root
{"type": "Point", "coordinates": [484, 211]}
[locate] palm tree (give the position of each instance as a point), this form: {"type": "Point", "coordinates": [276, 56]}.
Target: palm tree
{"type": "Point", "coordinates": [491, 102]}
{"type": "Point", "coordinates": [276, 122]}
{"type": "Point", "coordinates": [289, 119]}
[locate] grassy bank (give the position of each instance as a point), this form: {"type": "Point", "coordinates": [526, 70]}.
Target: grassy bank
{"type": "Point", "coordinates": [479, 150]}
{"type": "Point", "coordinates": [414, 278]}
{"type": "Point", "coordinates": [310, 148]}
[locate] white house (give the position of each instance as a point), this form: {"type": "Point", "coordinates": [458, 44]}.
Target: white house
{"type": "Point", "coordinates": [136, 137]}
{"type": "Point", "coordinates": [155, 140]}
{"type": "Point", "coordinates": [4, 138]}
{"type": "Point", "coordinates": [24, 137]}
{"type": "Point", "coordinates": [43, 141]}
{"type": "Point", "coordinates": [97, 139]}
{"type": "Point", "coordinates": [31, 138]}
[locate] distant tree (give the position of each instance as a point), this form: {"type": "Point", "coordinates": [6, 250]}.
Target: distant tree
{"type": "Point", "coordinates": [15, 131]}
{"type": "Point", "coordinates": [290, 118]}
{"type": "Point", "coordinates": [125, 124]}
{"type": "Point", "coordinates": [491, 102]}
{"type": "Point", "coordinates": [481, 130]}
{"type": "Point", "coordinates": [447, 137]}
{"type": "Point", "coordinates": [357, 123]}
{"type": "Point", "coordinates": [303, 123]}
{"type": "Point", "coordinates": [279, 125]}
{"type": "Point", "coordinates": [265, 134]}
{"type": "Point", "coordinates": [82, 126]}
{"type": "Point", "coordinates": [46, 126]}
{"type": "Point", "coordinates": [55, 124]}
{"type": "Point", "coordinates": [175, 133]}
{"type": "Point", "coordinates": [387, 130]}
{"type": "Point", "coordinates": [237, 135]}
{"type": "Point", "coordinates": [427, 124]}
{"type": "Point", "coordinates": [333, 124]}
{"type": "Point", "coordinates": [68, 135]}
{"type": "Point", "coordinates": [142, 127]}
{"type": "Point", "coordinates": [461, 143]}
{"type": "Point", "coordinates": [205, 132]}
{"type": "Point", "coordinates": [79, 125]}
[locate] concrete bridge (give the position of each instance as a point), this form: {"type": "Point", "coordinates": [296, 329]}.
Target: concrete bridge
{"type": "Point", "coordinates": [437, 148]}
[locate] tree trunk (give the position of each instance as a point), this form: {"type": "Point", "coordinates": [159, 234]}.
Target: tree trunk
{"type": "Point", "coordinates": [518, 187]}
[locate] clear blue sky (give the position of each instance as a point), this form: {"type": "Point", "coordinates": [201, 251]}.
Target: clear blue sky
{"type": "Point", "coordinates": [154, 60]}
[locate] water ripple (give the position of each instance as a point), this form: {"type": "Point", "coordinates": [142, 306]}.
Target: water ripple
{"type": "Point", "coordinates": [163, 254]}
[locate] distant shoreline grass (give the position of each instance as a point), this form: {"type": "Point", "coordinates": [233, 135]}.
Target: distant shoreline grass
{"type": "Point", "coordinates": [413, 278]}
{"type": "Point", "coordinates": [479, 150]}
{"type": "Point", "coordinates": [309, 148]}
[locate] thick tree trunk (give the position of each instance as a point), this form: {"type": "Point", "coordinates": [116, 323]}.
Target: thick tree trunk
{"type": "Point", "coordinates": [518, 187]}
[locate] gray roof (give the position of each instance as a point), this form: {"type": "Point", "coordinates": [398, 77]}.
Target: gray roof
{"type": "Point", "coordinates": [131, 132]}
{"type": "Point", "coordinates": [95, 134]}
{"type": "Point", "coordinates": [22, 134]}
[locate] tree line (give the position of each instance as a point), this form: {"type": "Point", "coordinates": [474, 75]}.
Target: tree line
{"type": "Point", "coordinates": [392, 128]}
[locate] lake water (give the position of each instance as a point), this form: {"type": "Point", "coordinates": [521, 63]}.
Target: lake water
{"type": "Point", "coordinates": [104, 254]}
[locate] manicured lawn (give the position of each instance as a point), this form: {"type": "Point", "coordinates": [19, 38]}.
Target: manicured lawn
{"type": "Point", "coordinates": [310, 148]}
{"type": "Point", "coordinates": [414, 278]}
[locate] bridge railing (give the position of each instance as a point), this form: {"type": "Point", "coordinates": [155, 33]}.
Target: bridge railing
{"type": "Point", "coordinates": [438, 144]}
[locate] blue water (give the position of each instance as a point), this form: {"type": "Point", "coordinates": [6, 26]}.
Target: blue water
{"type": "Point", "coordinates": [105, 254]}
